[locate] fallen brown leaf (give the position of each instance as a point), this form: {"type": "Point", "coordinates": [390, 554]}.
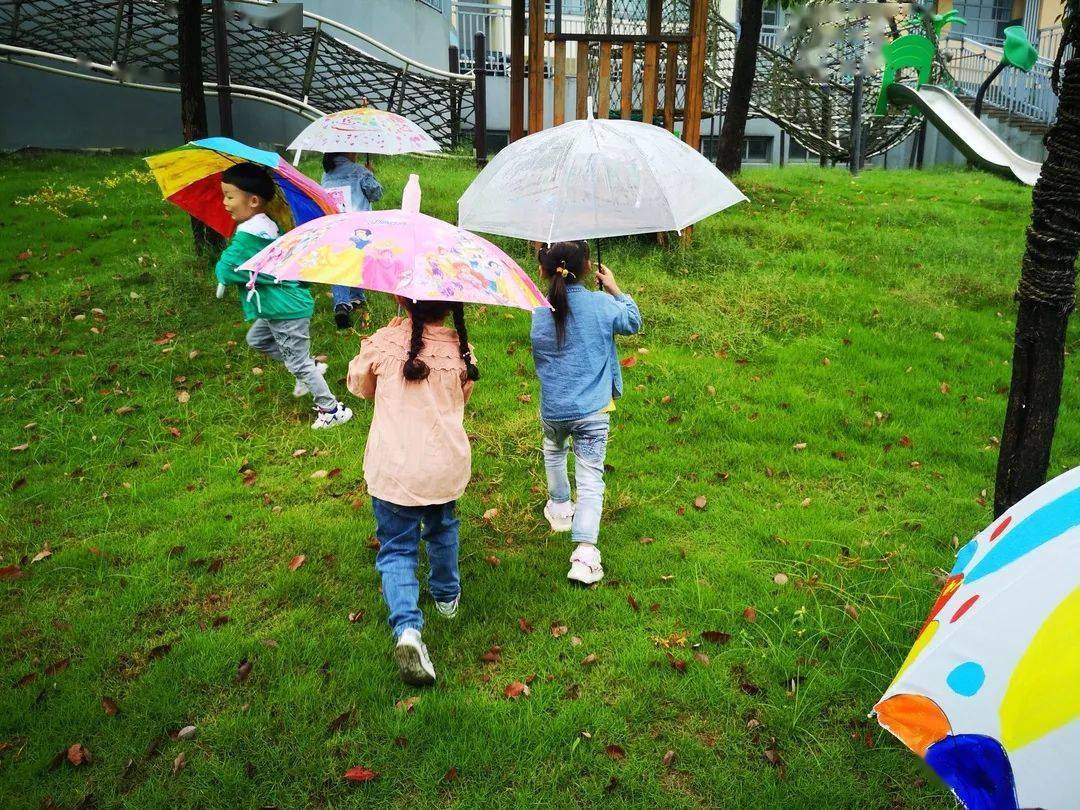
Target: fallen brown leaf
{"type": "Point", "coordinates": [851, 611]}
{"type": "Point", "coordinates": [451, 775]}
{"type": "Point", "coordinates": [109, 706]}
{"type": "Point", "coordinates": [615, 752]}
{"type": "Point", "coordinates": [41, 555]}
{"type": "Point", "coordinates": [632, 602]}
{"type": "Point", "coordinates": [590, 660]}
{"type": "Point", "coordinates": [11, 572]}
{"type": "Point", "coordinates": [490, 515]}
{"type": "Point", "coordinates": [360, 773]}
{"type": "Point", "coordinates": [524, 626]}
{"type": "Point", "coordinates": [669, 757]}
{"type": "Point", "coordinates": [750, 614]}
{"type": "Point", "coordinates": [700, 502]}
{"type": "Point", "coordinates": [340, 721]}
{"type": "Point", "coordinates": [407, 704]}
{"type": "Point", "coordinates": [243, 670]}
{"type": "Point", "coordinates": [716, 636]}
{"type": "Point", "coordinates": [492, 656]}
{"type": "Point", "coordinates": [558, 630]}
{"type": "Point", "coordinates": [516, 689]}
{"type": "Point", "coordinates": [296, 562]}
{"type": "Point", "coordinates": [77, 755]}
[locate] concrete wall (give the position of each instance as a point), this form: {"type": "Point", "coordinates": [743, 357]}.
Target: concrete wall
{"type": "Point", "coordinates": [48, 111]}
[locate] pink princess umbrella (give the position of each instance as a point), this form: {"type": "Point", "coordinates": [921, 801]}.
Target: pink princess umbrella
{"type": "Point", "coordinates": [404, 253]}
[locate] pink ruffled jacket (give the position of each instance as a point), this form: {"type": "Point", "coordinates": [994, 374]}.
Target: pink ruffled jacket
{"type": "Point", "coordinates": [417, 451]}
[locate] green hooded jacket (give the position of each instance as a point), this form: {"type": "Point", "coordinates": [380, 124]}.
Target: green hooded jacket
{"type": "Point", "coordinates": [273, 300]}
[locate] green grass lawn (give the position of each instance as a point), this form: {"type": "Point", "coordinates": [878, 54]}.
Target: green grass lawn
{"type": "Point", "coordinates": [827, 366]}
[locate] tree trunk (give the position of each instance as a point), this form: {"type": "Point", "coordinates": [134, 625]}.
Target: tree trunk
{"type": "Point", "coordinates": [729, 154]}
{"type": "Point", "coordinates": [192, 99]}
{"type": "Point", "coordinates": [1046, 296]}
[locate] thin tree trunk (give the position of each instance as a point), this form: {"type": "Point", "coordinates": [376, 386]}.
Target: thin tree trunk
{"type": "Point", "coordinates": [729, 154]}
{"type": "Point", "coordinates": [192, 99]}
{"type": "Point", "coordinates": [1046, 296]}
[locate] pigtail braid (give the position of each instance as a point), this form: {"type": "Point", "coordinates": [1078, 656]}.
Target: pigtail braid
{"type": "Point", "coordinates": [415, 368]}
{"type": "Point", "coordinates": [471, 371]}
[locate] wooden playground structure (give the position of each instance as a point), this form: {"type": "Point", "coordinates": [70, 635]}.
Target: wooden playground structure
{"type": "Point", "coordinates": [683, 63]}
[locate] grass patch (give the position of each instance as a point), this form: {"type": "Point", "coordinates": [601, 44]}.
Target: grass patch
{"type": "Point", "coordinates": [805, 316]}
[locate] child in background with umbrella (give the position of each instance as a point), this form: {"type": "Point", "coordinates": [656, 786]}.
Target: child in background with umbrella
{"type": "Point", "coordinates": [360, 189]}
{"type": "Point", "coordinates": [573, 345]}
{"type": "Point", "coordinates": [281, 310]}
{"type": "Point", "coordinates": [417, 462]}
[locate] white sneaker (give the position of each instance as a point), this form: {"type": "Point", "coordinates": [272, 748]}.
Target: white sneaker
{"type": "Point", "coordinates": [448, 610]}
{"type": "Point", "coordinates": [412, 659]}
{"type": "Point", "coordinates": [301, 390]}
{"type": "Point", "coordinates": [559, 515]}
{"type": "Point", "coordinates": [585, 564]}
{"type": "Point", "coordinates": [328, 419]}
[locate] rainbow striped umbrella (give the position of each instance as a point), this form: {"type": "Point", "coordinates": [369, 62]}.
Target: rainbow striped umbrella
{"type": "Point", "coordinates": [190, 177]}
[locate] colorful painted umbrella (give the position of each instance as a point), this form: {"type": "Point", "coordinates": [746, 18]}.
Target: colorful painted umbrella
{"type": "Point", "coordinates": [364, 129]}
{"type": "Point", "coordinates": [989, 695]}
{"type": "Point", "coordinates": [405, 253]}
{"type": "Point", "coordinates": [190, 177]}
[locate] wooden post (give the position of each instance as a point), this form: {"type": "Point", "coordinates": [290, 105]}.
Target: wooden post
{"type": "Point", "coordinates": [221, 60]}
{"type": "Point", "coordinates": [652, 60]}
{"type": "Point", "coordinates": [671, 69]}
{"type": "Point", "coordinates": [558, 114]}
{"type": "Point", "coordinates": [517, 69]}
{"type": "Point", "coordinates": [626, 94]}
{"type": "Point", "coordinates": [480, 98]}
{"type": "Point", "coordinates": [581, 86]}
{"type": "Point", "coordinates": [695, 77]}
{"type": "Point", "coordinates": [536, 65]}
{"type": "Point", "coordinates": [603, 82]}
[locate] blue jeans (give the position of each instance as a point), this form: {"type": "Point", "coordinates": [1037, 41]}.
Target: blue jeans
{"type": "Point", "coordinates": [399, 530]}
{"type": "Point", "coordinates": [346, 295]}
{"type": "Point", "coordinates": [589, 436]}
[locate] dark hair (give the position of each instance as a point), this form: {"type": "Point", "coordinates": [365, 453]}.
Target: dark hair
{"type": "Point", "coordinates": [564, 263]}
{"type": "Point", "coordinates": [424, 312]}
{"type": "Point", "coordinates": [252, 178]}
{"type": "Point", "coordinates": [329, 160]}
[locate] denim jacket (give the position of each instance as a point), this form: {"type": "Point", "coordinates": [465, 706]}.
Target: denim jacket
{"type": "Point", "coordinates": [582, 376]}
{"type": "Point", "coordinates": [364, 189]}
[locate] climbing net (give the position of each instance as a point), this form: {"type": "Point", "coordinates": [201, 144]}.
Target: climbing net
{"type": "Point", "coordinates": [312, 67]}
{"type": "Point", "coordinates": [814, 107]}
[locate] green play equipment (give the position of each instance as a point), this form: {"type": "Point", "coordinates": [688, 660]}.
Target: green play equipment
{"type": "Point", "coordinates": [909, 51]}
{"type": "Point", "coordinates": [941, 20]}
{"type": "Point", "coordinates": [1016, 52]}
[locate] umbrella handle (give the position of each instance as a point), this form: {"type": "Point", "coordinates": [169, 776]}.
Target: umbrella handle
{"type": "Point", "coordinates": [599, 262]}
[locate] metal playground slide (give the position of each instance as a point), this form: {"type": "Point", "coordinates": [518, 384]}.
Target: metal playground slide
{"type": "Point", "coordinates": [966, 132]}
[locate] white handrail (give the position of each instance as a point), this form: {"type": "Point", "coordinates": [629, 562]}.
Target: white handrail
{"type": "Point", "coordinates": [446, 74]}
{"type": "Point", "coordinates": [243, 91]}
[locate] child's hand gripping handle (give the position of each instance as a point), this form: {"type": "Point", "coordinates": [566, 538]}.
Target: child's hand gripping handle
{"type": "Point", "coordinates": [606, 280]}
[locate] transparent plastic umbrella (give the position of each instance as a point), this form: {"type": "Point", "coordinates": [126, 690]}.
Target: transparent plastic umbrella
{"type": "Point", "coordinates": [594, 178]}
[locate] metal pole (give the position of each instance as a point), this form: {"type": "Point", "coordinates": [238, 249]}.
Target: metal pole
{"type": "Point", "coordinates": [221, 58]}
{"type": "Point", "coordinates": [453, 64]}
{"type": "Point", "coordinates": [783, 149]}
{"type": "Point", "coordinates": [920, 149]}
{"type": "Point", "coordinates": [480, 98]}
{"type": "Point", "coordinates": [855, 140]}
{"type": "Point", "coordinates": [825, 123]}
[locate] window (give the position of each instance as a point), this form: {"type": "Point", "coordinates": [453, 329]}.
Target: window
{"type": "Point", "coordinates": [757, 148]}
{"type": "Point", "coordinates": [435, 4]}
{"type": "Point", "coordinates": [799, 153]}
{"type": "Point", "coordinates": [986, 19]}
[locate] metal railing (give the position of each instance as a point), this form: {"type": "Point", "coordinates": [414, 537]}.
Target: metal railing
{"type": "Point", "coordinates": [1025, 95]}
{"type": "Point", "coordinates": [493, 21]}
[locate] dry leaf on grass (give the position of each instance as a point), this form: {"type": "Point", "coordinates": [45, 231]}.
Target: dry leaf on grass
{"type": "Point", "coordinates": [362, 774]}
{"type": "Point", "coordinates": [296, 562]}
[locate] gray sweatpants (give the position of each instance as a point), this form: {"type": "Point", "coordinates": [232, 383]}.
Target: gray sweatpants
{"type": "Point", "coordinates": [290, 342]}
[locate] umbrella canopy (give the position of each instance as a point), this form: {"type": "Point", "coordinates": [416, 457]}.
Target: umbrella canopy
{"type": "Point", "coordinates": [989, 693]}
{"type": "Point", "coordinates": [587, 179]}
{"type": "Point", "coordinates": [364, 129]}
{"type": "Point", "coordinates": [190, 177]}
{"type": "Point", "coordinates": [405, 253]}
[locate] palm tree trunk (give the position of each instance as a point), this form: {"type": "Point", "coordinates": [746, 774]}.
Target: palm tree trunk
{"type": "Point", "coordinates": [192, 98]}
{"type": "Point", "coordinates": [1046, 297]}
{"type": "Point", "coordinates": [729, 154]}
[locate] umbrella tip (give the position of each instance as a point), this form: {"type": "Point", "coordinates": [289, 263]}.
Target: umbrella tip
{"type": "Point", "coordinates": [410, 197]}
{"type": "Point", "coordinates": [590, 107]}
